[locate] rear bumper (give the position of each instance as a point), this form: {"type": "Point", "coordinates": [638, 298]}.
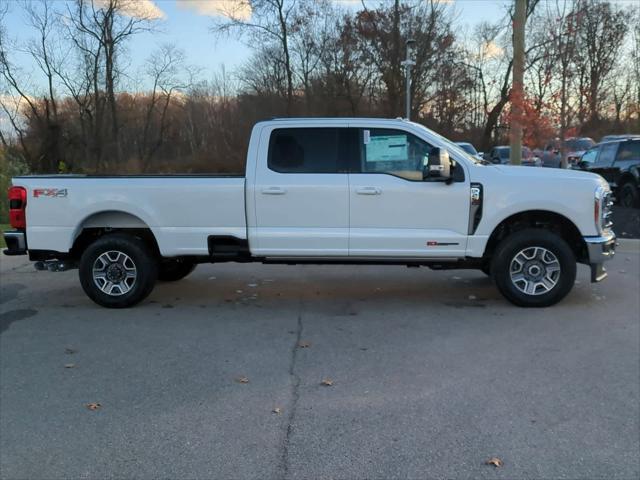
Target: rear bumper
{"type": "Point", "coordinates": [16, 243]}
{"type": "Point", "coordinates": [600, 249]}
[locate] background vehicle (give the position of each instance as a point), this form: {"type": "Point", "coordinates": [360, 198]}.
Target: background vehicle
{"type": "Point", "coordinates": [619, 163]}
{"type": "Point", "coordinates": [574, 148]}
{"type": "Point", "coordinates": [501, 155]}
{"type": "Point", "coordinates": [322, 191]}
{"type": "Point", "coordinates": [470, 149]}
{"type": "Point", "coordinates": [609, 138]}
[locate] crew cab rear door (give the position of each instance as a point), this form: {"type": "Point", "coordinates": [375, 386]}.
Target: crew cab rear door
{"type": "Point", "coordinates": [393, 211]}
{"type": "Point", "coordinates": [301, 192]}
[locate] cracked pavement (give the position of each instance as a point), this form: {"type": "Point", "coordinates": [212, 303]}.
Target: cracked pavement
{"type": "Point", "coordinates": [433, 374]}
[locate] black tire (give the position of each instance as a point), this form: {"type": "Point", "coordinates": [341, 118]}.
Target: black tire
{"type": "Point", "coordinates": [549, 287]}
{"type": "Point", "coordinates": [105, 250]}
{"type": "Point", "coordinates": [629, 196]}
{"type": "Point", "coordinates": [174, 270]}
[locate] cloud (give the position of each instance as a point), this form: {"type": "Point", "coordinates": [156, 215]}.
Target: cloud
{"type": "Point", "coordinates": [136, 8]}
{"type": "Point", "coordinates": [492, 50]}
{"type": "Point", "coordinates": [237, 9]}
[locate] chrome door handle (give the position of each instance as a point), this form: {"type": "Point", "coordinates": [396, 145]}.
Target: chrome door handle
{"type": "Point", "coordinates": [273, 191]}
{"type": "Point", "coordinates": [368, 191]}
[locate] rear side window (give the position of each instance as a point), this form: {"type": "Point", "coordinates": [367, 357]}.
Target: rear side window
{"type": "Point", "coordinates": [308, 150]}
{"type": "Point", "coordinates": [628, 151]}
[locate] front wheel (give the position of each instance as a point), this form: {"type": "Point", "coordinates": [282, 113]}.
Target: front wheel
{"type": "Point", "coordinates": [534, 268]}
{"type": "Point", "coordinates": [117, 271]}
{"type": "Point", "coordinates": [629, 195]}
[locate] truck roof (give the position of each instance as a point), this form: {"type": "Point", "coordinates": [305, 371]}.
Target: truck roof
{"type": "Point", "coordinates": [338, 119]}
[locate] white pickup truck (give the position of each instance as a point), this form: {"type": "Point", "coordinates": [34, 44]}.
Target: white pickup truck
{"type": "Point", "coordinates": [340, 191]}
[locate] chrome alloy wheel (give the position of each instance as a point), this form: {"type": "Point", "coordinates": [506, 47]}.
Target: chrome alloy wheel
{"type": "Point", "coordinates": [114, 273]}
{"type": "Point", "coordinates": [534, 270]}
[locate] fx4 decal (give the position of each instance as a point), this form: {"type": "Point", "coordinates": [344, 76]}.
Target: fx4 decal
{"type": "Point", "coordinates": [50, 192]}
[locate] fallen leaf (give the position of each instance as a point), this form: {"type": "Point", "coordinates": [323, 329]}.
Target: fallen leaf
{"type": "Point", "coordinates": [472, 297]}
{"type": "Point", "coordinates": [69, 365]}
{"type": "Point", "coordinates": [327, 382]}
{"type": "Point", "coordinates": [242, 379]}
{"type": "Point", "coordinates": [277, 410]}
{"type": "Point", "coordinates": [70, 351]}
{"type": "Point", "coordinates": [495, 461]}
{"type": "Point", "coordinates": [304, 344]}
{"type": "Point", "coordinates": [93, 406]}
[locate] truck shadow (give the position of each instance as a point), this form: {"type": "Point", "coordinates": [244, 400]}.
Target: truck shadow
{"type": "Point", "coordinates": [339, 291]}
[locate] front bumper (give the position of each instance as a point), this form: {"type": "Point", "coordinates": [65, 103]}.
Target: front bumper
{"type": "Point", "coordinates": [600, 249]}
{"type": "Point", "coordinates": [16, 243]}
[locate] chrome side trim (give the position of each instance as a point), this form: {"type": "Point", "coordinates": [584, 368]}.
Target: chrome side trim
{"type": "Point", "coordinates": [601, 248]}
{"type": "Point", "coordinates": [475, 207]}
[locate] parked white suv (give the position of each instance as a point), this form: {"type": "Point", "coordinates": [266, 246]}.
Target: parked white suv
{"type": "Point", "coordinates": [345, 191]}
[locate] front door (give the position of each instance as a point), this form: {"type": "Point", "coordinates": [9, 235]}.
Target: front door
{"type": "Point", "coordinates": [302, 195]}
{"type": "Point", "coordinates": [604, 163]}
{"type": "Point", "coordinates": [394, 212]}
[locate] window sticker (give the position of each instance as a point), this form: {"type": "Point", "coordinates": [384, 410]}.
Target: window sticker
{"type": "Point", "coordinates": [387, 148]}
{"type": "Point", "coordinates": [367, 137]}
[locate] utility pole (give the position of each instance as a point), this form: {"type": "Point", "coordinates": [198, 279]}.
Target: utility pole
{"type": "Point", "coordinates": [517, 87]}
{"type": "Point", "coordinates": [407, 64]}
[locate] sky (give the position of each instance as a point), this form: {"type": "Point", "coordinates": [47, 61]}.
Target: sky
{"type": "Point", "coordinates": [187, 23]}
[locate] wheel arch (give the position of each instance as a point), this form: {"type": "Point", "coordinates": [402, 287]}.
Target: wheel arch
{"type": "Point", "coordinates": [544, 219]}
{"type": "Point", "coordinates": [103, 222]}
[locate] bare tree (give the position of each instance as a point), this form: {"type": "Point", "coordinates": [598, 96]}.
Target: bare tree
{"type": "Point", "coordinates": [101, 29]}
{"type": "Point", "coordinates": [271, 21]}
{"type": "Point", "coordinates": [164, 68]}
{"type": "Point", "coordinates": [601, 36]}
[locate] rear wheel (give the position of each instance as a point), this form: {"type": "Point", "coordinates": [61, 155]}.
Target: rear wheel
{"type": "Point", "coordinates": [117, 271]}
{"type": "Point", "coordinates": [629, 196]}
{"type": "Point", "coordinates": [174, 270]}
{"type": "Point", "coordinates": [534, 268]}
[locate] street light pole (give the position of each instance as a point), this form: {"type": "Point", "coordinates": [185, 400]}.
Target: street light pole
{"type": "Point", "coordinates": [407, 64]}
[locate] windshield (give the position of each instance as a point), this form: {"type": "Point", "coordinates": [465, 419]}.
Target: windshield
{"type": "Point", "coordinates": [452, 147]}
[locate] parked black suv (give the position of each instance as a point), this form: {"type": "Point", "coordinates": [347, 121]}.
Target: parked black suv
{"type": "Point", "coordinates": [619, 163]}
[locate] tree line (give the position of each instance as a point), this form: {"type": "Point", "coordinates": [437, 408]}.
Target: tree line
{"type": "Point", "coordinates": [82, 111]}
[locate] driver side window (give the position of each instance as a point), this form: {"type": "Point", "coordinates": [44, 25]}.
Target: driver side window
{"type": "Point", "coordinates": [394, 152]}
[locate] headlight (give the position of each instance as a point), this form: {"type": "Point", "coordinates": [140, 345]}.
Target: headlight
{"type": "Point", "coordinates": [602, 209]}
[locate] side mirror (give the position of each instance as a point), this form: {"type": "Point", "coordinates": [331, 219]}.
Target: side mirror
{"type": "Point", "coordinates": [582, 165]}
{"type": "Point", "coordinates": [439, 166]}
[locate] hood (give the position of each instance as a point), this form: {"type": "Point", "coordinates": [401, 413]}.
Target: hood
{"type": "Point", "coordinates": [550, 173]}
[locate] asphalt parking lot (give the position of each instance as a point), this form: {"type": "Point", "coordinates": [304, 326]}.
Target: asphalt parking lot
{"type": "Point", "coordinates": [432, 374]}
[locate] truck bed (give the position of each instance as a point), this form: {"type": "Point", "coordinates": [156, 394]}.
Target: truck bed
{"type": "Point", "coordinates": [181, 210]}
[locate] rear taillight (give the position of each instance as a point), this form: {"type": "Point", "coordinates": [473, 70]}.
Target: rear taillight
{"type": "Point", "coordinates": [17, 206]}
